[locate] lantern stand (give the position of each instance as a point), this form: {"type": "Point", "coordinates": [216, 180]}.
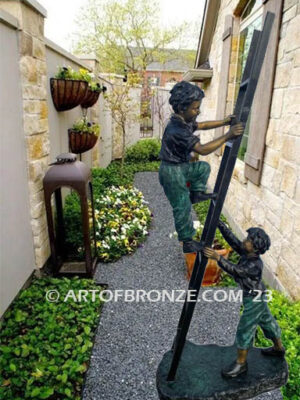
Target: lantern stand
{"type": "Point", "coordinates": [68, 172]}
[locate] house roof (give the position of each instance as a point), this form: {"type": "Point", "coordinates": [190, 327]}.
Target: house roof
{"type": "Point", "coordinates": [177, 64]}
{"type": "Point", "coordinates": [170, 60]}
{"type": "Point", "coordinates": [208, 26]}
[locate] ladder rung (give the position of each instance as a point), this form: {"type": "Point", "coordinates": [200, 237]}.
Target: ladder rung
{"type": "Point", "coordinates": [245, 83]}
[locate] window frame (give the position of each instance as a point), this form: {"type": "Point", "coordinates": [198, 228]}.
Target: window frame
{"type": "Point", "coordinates": [257, 13]}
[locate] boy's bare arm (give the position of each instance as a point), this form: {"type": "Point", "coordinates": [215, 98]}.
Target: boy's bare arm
{"type": "Point", "coordinates": [209, 147]}
{"type": "Point", "coordinates": [215, 124]}
{"type": "Point", "coordinates": [230, 238]}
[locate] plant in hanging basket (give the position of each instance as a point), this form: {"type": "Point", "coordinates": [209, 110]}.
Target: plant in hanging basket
{"type": "Point", "coordinates": [83, 136]}
{"type": "Point", "coordinates": [68, 89]}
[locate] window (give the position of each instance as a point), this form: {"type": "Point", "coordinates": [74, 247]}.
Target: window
{"type": "Point", "coordinates": [153, 81]}
{"type": "Point", "coordinates": [251, 19]}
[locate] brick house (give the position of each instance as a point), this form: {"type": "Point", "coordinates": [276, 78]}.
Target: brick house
{"type": "Point", "coordinates": [161, 74]}
{"type": "Point", "coordinates": [265, 188]}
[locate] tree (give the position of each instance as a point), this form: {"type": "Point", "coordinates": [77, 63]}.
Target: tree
{"type": "Point", "coordinates": [161, 108]}
{"type": "Point", "coordinates": [123, 108]}
{"type": "Point", "coordinates": [125, 34]}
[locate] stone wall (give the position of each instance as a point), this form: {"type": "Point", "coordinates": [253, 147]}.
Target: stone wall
{"type": "Point", "coordinates": [274, 204]}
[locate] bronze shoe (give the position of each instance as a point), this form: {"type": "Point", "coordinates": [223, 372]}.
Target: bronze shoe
{"type": "Point", "coordinates": [235, 369]}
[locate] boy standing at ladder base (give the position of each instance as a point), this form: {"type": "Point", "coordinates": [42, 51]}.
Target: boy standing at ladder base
{"type": "Point", "coordinates": [248, 274]}
{"type": "Point", "coordinates": [175, 170]}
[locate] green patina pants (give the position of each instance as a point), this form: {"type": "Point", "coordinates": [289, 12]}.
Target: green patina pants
{"type": "Point", "coordinates": [255, 314]}
{"type": "Point", "coordinates": [173, 178]}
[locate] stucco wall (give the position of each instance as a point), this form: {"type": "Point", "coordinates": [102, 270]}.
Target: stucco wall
{"type": "Point", "coordinates": [16, 240]}
{"type": "Point", "coordinates": [60, 122]}
{"type": "Point", "coordinates": [274, 204]}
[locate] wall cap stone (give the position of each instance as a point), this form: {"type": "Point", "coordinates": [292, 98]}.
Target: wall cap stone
{"type": "Point", "coordinates": [9, 20]}
{"type": "Point", "coordinates": [36, 6]}
{"type": "Point", "coordinates": [89, 57]}
{"type": "Point", "coordinates": [53, 46]}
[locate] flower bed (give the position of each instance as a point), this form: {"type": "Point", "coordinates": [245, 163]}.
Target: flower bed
{"type": "Point", "coordinates": [122, 221]}
{"type": "Point", "coordinates": [45, 346]}
{"type": "Point", "coordinates": [105, 182]}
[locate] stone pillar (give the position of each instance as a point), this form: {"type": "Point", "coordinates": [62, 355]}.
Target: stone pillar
{"type": "Point", "coordinates": [33, 78]}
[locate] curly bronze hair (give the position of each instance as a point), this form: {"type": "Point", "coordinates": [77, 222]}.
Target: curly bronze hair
{"type": "Point", "coordinates": [183, 94]}
{"type": "Point", "coordinates": [261, 241]}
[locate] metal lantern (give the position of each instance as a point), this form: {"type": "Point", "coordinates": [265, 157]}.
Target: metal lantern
{"type": "Point", "coordinates": [68, 172]}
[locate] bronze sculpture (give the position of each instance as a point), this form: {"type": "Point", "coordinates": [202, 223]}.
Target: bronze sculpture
{"type": "Point", "coordinates": [248, 274]}
{"type": "Point", "coordinates": [175, 170]}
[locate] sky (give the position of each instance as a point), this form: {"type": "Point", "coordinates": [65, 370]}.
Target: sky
{"type": "Point", "coordinates": [61, 14]}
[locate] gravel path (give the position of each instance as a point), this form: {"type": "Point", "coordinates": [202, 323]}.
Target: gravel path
{"type": "Point", "coordinates": [132, 337]}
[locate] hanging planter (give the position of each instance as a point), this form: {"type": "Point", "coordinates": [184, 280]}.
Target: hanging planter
{"type": "Point", "coordinates": [67, 93]}
{"type": "Point", "coordinates": [90, 99]}
{"type": "Point", "coordinates": [83, 136]}
{"type": "Point", "coordinates": [92, 94]}
{"type": "Point", "coordinates": [70, 88]}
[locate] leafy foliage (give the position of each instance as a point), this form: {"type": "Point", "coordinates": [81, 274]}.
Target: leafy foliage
{"type": "Point", "coordinates": [287, 314]}
{"type": "Point", "coordinates": [201, 211]}
{"type": "Point", "coordinates": [81, 75]}
{"type": "Point", "coordinates": [144, 150]}
{"type": "Point", "coordinates": [124, 109]}
{"type": "Point", "coordinates": [126, 34]}
{"type": "Point", "coordinates": [82, 125]}
{"type": "Point", "coordinates": [45, 347]}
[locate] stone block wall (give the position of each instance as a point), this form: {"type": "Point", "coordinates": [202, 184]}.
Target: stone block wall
{"type": "Point", "coordinates": [274, 204]}
{"type": "Point", "coordinates": [32, 65]}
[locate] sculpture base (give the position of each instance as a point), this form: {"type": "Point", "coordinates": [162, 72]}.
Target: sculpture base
{"type": "Point", "coordinates": [199, 376]}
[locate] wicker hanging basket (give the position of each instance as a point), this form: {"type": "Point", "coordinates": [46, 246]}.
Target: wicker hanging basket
{"type": "Point", "coordinates": [90, 99]}
{"type": "Point", "coordinates": [80, 142]}
{"type": "Point", "coordinates": [67, 93]}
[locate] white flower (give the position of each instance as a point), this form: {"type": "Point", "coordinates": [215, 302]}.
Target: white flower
{"type": "Point", "coordinates": [196, 224]}
{"type": "Point", "coordinates": [174, 234]}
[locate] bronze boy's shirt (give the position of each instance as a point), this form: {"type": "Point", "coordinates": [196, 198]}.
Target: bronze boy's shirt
{"type": "Point", "coordinates": [248, 271]}
{"type": "Point", "coordinates": [178, 140]}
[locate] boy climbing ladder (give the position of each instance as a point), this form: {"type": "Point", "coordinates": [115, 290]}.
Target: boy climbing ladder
{"type": "Point", "coordinates": [175, 170]}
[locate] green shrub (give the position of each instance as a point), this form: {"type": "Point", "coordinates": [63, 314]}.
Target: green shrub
{"type": "Point", "coordinates": [45, 346]}
{"type": "Point", "coordinates": [287, 314]}
{"type": "Point", "coordinates": [144, 150]}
